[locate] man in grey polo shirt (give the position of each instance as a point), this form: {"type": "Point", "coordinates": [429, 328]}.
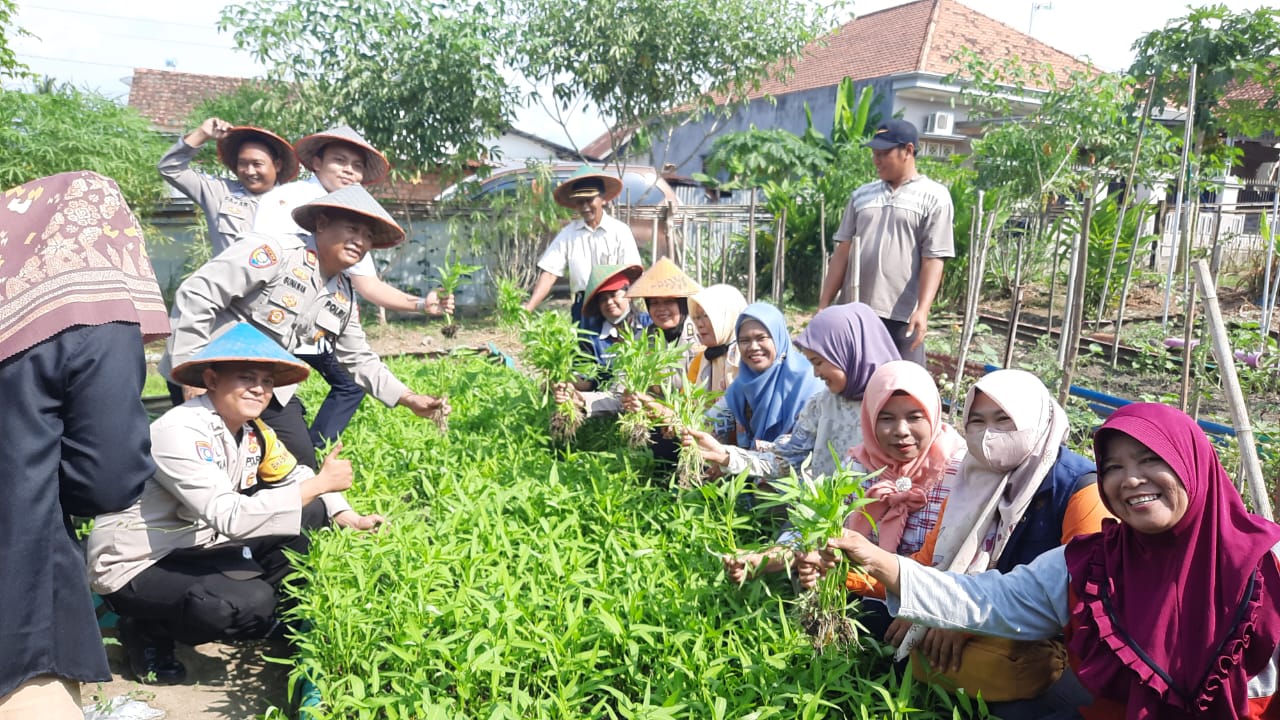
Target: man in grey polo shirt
{"type": "Point", "coordinates": [903, 222]}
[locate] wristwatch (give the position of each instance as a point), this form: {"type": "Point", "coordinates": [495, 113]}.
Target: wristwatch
{"type": "Point", "coordinates": [420, 305]}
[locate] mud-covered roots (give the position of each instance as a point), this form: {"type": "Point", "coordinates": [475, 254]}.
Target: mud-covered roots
{"type": "Point", "coordinates": [449, 330]}
{"type": "Point", "coordinates": [689, 467]}
{"type": "Point", "coordinates": [635, 429]}
{"type": "Point", "coordinates": [439, 417]}
{"type": "Point", "coordinates": [565, 421]}
{"type": "Point", "coordinates": [827, 629]}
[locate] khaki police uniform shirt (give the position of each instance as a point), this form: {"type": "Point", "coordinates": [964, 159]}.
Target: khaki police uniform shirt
{"type": "Point", "coordinates": [197, 497]}
{"type": "Point", "coordinates": [228, 207]}
{"type": "Point", "coordinates": [274, 283]}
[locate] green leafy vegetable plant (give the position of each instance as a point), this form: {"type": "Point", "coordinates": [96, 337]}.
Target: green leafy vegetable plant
{"type": "Point", "coordinates": [816, 511]}
{"type": "Point", "coordinates": [688, 405]}
{"type": "Point", "coordinates": [452, 274]}
{"type": "Point", "coordinates": [640, 363]}
{"type": "Point", "coordinates": [552, 348]}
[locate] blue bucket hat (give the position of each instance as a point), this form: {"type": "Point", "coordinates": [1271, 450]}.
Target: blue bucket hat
{"type": "Point", "coordinates": [242, 343]}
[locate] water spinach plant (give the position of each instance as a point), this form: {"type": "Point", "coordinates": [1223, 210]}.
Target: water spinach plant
{"type": "Point", "coordinates": [552, 348]}
{"type": "Point", "coordinates": [515, 582]}
{"type": "Point", "coordinates": [688, 404]}
{"type": "Point", "coordinates": [640, 363]}
{"type": "Point", "coordinates": [816, 510]}
{"type": "Point", "coordinates": [452, 273]}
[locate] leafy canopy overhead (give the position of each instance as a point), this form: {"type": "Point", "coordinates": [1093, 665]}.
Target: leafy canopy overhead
{"type": "Point", "coordinates": [639, 60]}
{"type": "Point", "coordinates": [421, 80]}
{"type": "Point", "coordinates": [1229, 50]}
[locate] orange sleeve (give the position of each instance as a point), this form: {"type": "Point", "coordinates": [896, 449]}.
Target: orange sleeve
{"type": "Point", "coordinates": [868, 586]}
{"type": "Point", "coordinates": [1085, 513]}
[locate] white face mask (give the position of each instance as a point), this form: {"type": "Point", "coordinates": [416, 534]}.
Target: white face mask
{"type": "Point", "coordinates": [1001, 450]}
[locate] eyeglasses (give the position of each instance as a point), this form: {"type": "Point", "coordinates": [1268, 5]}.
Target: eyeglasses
{"type": "Point", "coordinates": [761, 340]}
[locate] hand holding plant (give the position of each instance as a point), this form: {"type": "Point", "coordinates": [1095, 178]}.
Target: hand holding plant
{"type": "Point", "coordinates": [452, 273]}
{"type": "Point", "coordinates": [640, 362]}
{"type": "Point", "coordinates": [688, 414]}
{"type": "Point", "coordinates": [552, 348]}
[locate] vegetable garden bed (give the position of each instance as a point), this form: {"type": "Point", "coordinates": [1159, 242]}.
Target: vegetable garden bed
{"type": "Point", "coordinates": [521, 580]}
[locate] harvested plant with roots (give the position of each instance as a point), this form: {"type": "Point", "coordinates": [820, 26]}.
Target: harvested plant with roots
{"type": "Point", "coordinates": [688, 405]}
{"type": "Point", "coordinates": [640, 362]}
{"type": "Point", "coordinates": [452, 273]}
{"type": "Point", "coordinates": [816, 510]}
{"type": "Point", "coordinates": [552, 348]}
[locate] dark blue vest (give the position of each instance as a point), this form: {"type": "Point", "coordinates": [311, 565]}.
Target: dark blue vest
{"type": "Point", "coordinates": [1041, 526]}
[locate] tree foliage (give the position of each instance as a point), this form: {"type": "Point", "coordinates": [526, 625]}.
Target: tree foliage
{"type": "Point", "coordinates": [60, 129]}
{"type": "Point", "coordinates": [639, 60]}
{"type": "Point", "coordinates": [421, 80]}
{"type": "Point", "coordinates": [10, 66]}
{"type": "Point", "coordinates": [1230, 51]}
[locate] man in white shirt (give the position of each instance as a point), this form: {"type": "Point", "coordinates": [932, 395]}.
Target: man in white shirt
{"type": "Point", "coordinates": [594, 238]}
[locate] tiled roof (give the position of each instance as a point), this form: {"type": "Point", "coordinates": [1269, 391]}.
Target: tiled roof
{"type": "Point", "coordinates": [166, 97]}
{"type": "Point", "coordinates": [1247, 90]}
{"type": "Point", "coordinates": [920, 36]}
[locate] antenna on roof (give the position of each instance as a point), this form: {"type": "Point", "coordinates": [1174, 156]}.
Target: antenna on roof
{"type": "Point", "coordinates": [1034, 7]}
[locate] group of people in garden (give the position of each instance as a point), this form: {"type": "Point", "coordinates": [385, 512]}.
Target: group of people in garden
{"type": "Point", "coordinates": [1132, 585]}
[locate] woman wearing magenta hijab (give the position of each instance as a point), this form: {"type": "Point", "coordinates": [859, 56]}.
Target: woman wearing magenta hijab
{"type": "Point", "coordinates": [1169, 613]}
{"type": "Point", "coordinates": [842, 346]}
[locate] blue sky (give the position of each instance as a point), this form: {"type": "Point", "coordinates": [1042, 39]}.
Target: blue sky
{"type": "Point", "coordinates": [95, 44]}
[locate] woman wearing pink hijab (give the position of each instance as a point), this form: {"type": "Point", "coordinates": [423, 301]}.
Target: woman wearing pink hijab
{"type": "Point", "coordinates": [913, 449]}
{"type": "Point", "coordinates": [1171, 612]}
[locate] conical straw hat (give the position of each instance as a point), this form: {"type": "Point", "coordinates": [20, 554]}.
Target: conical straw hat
{"type": "Point", "coordinates": [229, 150]}
{"type": "Point", "coordinates": [664, 280]}
{"type": "Point", "coordinates": [353, 198]}
{"type": "Point", "coordinates": [604, 276]}
{"type": "Point", "coordinates": [375, 163]}
{"type": "Point", "coordinates": [242, 343]}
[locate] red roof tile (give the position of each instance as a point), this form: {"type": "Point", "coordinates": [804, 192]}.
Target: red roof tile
{"type": "Point", "coordinates": [166, 97]}
{"type": "Point", "coordinates": [959, 26]}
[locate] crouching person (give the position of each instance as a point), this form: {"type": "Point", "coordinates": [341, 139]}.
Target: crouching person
{"type": "Point", "coordinates": [200, 556]}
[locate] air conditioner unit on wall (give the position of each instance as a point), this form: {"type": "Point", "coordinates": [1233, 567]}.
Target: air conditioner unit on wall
{"type": "Point", "coordinates": [939, 123]}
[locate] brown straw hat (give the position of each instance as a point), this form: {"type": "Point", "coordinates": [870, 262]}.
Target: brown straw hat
{"type": "Point", "coordinates": [664, 279]}
{"type": "Point", "coordinates": [587, 182]}
{"type": "Point", "coordinates": [353, 199]}
{"type": "Point", "coordinates": [375, 163]}
{"type": "Point", "coordinates": [229, 149]}
{"type": "Point", "coordinates": [245, 343]}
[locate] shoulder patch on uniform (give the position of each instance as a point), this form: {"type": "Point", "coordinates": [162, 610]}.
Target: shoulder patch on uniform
{"type": "Point", "coordinates": [264, 256]}
{"type": "Point", "coordinates": [276, 316]}
{"type": "Point", "coordinates": [204, 451]}
{"type": "Point", "coordinates": [311, 257]}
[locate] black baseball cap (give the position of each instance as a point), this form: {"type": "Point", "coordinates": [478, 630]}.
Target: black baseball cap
{"type": "Point", "coordinates": [892, 134]}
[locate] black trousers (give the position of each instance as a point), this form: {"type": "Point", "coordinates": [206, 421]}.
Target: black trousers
{"type": "Point", "coordinates": [201, 595]}
{"type": "Point", "coordinates": [898, 330]}
{"type": "Point", "coordinates": [340, 405]}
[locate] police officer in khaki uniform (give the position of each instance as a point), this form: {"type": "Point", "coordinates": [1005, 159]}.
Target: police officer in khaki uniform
{"type": "Point", "coordinates": [300, 298]}
{"type": "Point", "coordinates": [261, 160]}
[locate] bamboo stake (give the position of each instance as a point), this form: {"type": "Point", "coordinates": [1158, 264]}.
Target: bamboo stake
{"type": "Point", "coordinates": [1015, 310]}
{"type": "Point", "coordinates": [976, 272]}
{"type": "Point", "coordinates": [1235, 398]}
{"type": "Point", "coordinates": [1177, 217]}
{"type": "Point", "coordinates": [1071, 331]}
{"type": "Point", "coordinates": [1124, 288]}
{"type": "Point", "coordinates": [822, 240]}
{"type": "Point", "coordinates": [1124, 202]}
{"type": "Point", "coordinates": [1268, 305]}
{"type": "Point", "coordinates": [782, 256]}
{"type": "Point", "coordinates": [751, 251]}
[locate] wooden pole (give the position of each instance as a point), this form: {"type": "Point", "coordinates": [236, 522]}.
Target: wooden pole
{"type": "Point", "coordinates": [782, 256]}
{"type": "Point", "coordinates": [977, 241]}
{"type": "Point", "coordinates": [1071, 331]}
{"type": "Point", "coordinates": [1235, 398]}
{"type": "Point", "coordinates": [822, 241]}
{"type": "Point", "coordinates": [751, 250]}
{"type": "Point", "coordinates": [1124, 202]}
{"type": "Point", "coordinates": [1124, 288]}
{"type": "Point", "coordinates": [1177, 217]}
